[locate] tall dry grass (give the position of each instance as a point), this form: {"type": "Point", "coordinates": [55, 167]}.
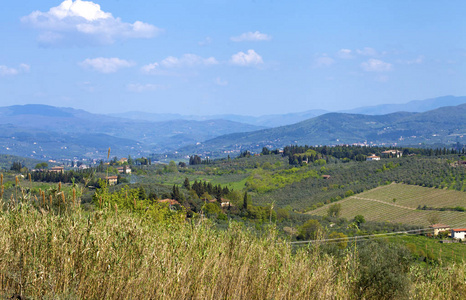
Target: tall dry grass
{"type": "Point", "coordinates": [110, 256]}
{"type": "Point", "coordinates": [66, 253]}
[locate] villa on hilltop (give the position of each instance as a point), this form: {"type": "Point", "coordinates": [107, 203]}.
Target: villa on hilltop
{"type": "Point", "coordinates": [373, 157]}
{"type": "Point", "coordinates": [392, 153]}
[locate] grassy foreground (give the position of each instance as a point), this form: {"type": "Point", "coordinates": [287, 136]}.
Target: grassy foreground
{"type": "Point", "coordinates": [122, 255]}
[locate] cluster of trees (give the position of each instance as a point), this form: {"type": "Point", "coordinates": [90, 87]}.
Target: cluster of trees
{"type": "Point", "coordinates": [298, 155]}
{"type": "Point", "coordinates": [142, 161]}
{"type": "Point", "coordinates": [197, 160]}
{"type": "Point", "coordinates": [16, 166]}
{"type": "Point", "coordinates": [456, 208]}
{"type": "Point", "coordinates": [81, 176]}
{"type": "Point", "coordinates": [267, 151]}
{"type": "Point", "coordinates": [245, 153]}
{"type": "Point", "coordinates": [203, 187]}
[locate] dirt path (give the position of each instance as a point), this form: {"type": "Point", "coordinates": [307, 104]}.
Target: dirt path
{"type": "Point", "coordinates": [384, 202]}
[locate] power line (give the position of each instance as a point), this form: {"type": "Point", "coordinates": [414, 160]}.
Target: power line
{"type": "Point", "coordinates": [361, 237]}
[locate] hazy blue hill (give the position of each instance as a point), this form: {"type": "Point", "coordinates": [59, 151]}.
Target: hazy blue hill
{"type": "Point", "coordinates": [443, 125]}
{"type": "Point", "coordinates": [33, 109]}
{"type": "Point", "coordinates": [7, 160]}
{"type": "Point", "coordinates": [79, 130]}
{"type": "Point", "coordinates": [275, 120]}
{"type": "Point", "coordinates": [264, 121]}
{"type": "Point", "coordinates": [412, 106]}
{"type": "Point", "coordinates": [28, 142]}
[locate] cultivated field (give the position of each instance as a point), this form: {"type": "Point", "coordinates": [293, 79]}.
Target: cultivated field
{"type": "Point", "coordinates": [413, 196]}
{"type": "Point", "coordinates": [378, 205]}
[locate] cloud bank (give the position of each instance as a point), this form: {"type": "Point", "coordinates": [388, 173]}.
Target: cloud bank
{"type": "Point", "coordinates": [83, 23]}
{"type": "Point", "coordinates": [171, 62]}
{"type": "Point", "coordinates": [105, 65]}
{"type": "Point", "coordinates": [375, 65]}
{"type": "Point", "coordinates": [139, 88]}
{"type": "Point", "coordinates": [251, 36]}
{"type": "Point", "coordinates": [8, 71]}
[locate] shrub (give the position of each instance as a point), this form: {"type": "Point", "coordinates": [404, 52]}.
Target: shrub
{"type": "Point", "coordinates": [383, 271]}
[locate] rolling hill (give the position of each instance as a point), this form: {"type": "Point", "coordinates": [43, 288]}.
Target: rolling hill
{"type": "Point", "coordinates": [37, 130]}
{"type": "Point", "coordinates": [265, 120]}
{"type": "Point", "coordinates": [412, 106]}
{"type": "Point", "coordinates": [378, 205]}
{"type": "Point", "coordinates": [275, 120]}
{"type": "Point", "coordinates": [445, 125]}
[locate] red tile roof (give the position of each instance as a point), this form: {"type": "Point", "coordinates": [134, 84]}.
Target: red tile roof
{"type": "Point", "coordinates": [439, 226]}
{"type": "Point", "coordinates": [169, 201]}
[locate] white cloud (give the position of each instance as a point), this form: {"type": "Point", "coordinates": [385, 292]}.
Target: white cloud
{"type": "Point", "coordinates": [375, 65]}
{"type": "Point", "coordinates": [246, 59]}
{"type": "Point", "coordinates": [205, 42]}
{"type": "Point", "coordinates": [324, 61]}
{"type": "Point", "coordinates": [345, 54]}
{"type": "Point", "coordinates": [367, 51]}
{"type": "Point", "coordinates": [105, 65]}
{"type": "Point", "coordinates": [419, 60]}
{"type": "Point", "coordinates": [139, 88]}
{"type": "Point", "coordinates": [150, 68]}
{"type": "Point", "coordinates": [5, 71]}
{"type": "Point", "coordinates": [83, 22]}
{"type": "Point", "coordinates": [251, 36]}
{"type": "Point", "coordinates": [187, 60]}
{"type": "Point", "coordinates": [86, 86]}
{"type": "Point", "coordinates": [219, 81]}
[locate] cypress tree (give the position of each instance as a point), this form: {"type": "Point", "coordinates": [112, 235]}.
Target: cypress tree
{"type": "Point", "coordinates": [245, 200]}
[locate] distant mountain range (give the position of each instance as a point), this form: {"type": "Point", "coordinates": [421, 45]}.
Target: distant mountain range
{"type": "Point", "coordinates": [292, 118]}
{"type": "Point", "coordinates": [38, 130]}
{"type": "Point", "coordinates": [412, 106]}
{"type": "Point", "coordinates": [263, 121]}
{"type": "Point", "coordinates": [446, 125]}
{"type": "Point", "coordinates": [44, 132]}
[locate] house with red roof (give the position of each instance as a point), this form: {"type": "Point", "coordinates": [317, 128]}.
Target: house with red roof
{"type": "Point", "coordinates": [459, 233]}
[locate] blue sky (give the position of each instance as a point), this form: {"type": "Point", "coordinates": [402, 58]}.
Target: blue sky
{"type": "Point", "coordinates": [229, 56]}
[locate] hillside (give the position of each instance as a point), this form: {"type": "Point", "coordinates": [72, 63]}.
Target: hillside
{"type": "Point", "coordinates": [49, 130]}
{"type": "Point", "coordinates": [412, 106]}
{"type": "Point", "coordinates": [275, 120]}
{"type": "Point", "coordinates": [444, 125]}
{"type": "Point", "coordinates": [378, 205]}
{"type": "Point", "coordinates": [265, 120]}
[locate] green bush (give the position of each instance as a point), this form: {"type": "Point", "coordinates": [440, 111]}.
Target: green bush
{"type": "Point", "coordinates": [383, 271]}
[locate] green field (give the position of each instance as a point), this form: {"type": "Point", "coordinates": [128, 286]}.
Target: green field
{"type": "Point", "coordinates": [378, 205]}
{"type": "Point", "coordinates": [454, 252]}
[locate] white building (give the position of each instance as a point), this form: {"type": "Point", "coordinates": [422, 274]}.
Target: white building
{"type": "Point", "coordinates": [458, 233]}
{"type": "Point", "coordinates": [372, 157]}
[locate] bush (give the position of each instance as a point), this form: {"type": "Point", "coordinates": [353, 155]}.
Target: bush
{"type": "Point", "coordinates": [383, 271]}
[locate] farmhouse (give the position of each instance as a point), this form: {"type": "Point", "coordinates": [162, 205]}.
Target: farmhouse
{"type": "Point", "coordinates": [372, 157]}
{"type": "Point", "coordinates": [172, 203]}
{"type": "Point", "coordinates": [225, 203]}
{"type": "Point", "coordinates": [57, 169]}
{"type": "Point", "coordinates": [392, 153]}
{"type": "Point", "coordinates": [439, 227]}
{"type": "Point", "coordinates": [459, 233]}
{"type": "Point", "coordinates": [112, 180]}
{"type": "Point", "coordinates": [124, 170]}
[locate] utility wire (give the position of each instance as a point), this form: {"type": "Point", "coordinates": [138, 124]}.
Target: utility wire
{"type": "Point", "coordinates": [361, 237]}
